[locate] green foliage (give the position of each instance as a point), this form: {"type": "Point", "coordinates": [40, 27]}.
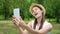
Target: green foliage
{"type": "Point", "coordinates": [52, 8]}
{"type": "Point", "coordinates": [25, 8]}
{"type": "Point", "coordinates": [1, 7]}
{"type": "Point", "coordinates": [7, 6]}
{"type": "Point", "coordinates": [49, 6]}
{"type": "Point", "coordinates": [1, 17]}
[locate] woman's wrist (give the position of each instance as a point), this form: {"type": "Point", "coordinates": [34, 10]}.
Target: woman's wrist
{"type": "Point", "coordinates": [24, 25]}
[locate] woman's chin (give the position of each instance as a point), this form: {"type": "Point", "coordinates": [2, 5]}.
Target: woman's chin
{"type": "Point", "coordinates": [36, 17]}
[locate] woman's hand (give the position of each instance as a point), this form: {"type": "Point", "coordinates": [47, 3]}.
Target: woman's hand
{"type": "Point", "coordinates": [18, 21]}
{"type": "Point", "coordinates": [22, 23]}
{"type": "Point", "coordinates": [14, 20]}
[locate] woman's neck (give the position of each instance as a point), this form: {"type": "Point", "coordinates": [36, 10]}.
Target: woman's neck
{"type": "Point", "coordinates": [39, 20]}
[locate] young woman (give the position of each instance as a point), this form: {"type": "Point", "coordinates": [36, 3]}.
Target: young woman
{"type": "Point", "coordinates": [37, 26]}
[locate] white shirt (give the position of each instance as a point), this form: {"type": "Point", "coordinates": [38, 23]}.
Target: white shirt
{"type": "Point", "coordinates": [44, 24]}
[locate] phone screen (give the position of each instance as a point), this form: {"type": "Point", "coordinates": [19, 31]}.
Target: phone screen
{"type": "Point", "coordinates": [16, 12]}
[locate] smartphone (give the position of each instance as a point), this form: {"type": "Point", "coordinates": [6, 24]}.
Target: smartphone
{"type": "Point", "coordinates": [16, 12]}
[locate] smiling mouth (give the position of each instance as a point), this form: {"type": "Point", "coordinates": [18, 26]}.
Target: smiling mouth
{"type": "Point", "coordinates": [36, 14]}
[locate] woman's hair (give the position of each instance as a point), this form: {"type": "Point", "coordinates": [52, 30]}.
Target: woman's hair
{"type": "Point", "coordinates": [42, 21]}
{"type": "Point", "coordinates": [43, 14]}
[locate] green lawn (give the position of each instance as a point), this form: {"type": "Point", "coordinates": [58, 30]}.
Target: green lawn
{"type": "Point", "coordinates": [7, 27]}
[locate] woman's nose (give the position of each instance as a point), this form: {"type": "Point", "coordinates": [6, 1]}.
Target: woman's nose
{"type": "Point", "coordinates": [35, 11]}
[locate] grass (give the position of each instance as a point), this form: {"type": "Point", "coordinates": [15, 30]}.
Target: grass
{"type": "Point", "coordinates": [7, 27]}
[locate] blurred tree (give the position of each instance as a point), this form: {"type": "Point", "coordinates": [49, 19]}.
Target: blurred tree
{"type": "Point", "coordinates": [1, 9]}
{"type": "Point", "coordinates": [25, 8]}
{"type": "Point", "coordinates": [51, 6]}
{"type": "Point", "coordinates": [40, 1]}
{"type": "Point", "coordinates": [7, 6]}
{"type": "Point", "coordinates": [57, 11]}
{"type": "Point", "coordinates": [6, 9]}
{"type": "Point", "coordinates": [52, 9]}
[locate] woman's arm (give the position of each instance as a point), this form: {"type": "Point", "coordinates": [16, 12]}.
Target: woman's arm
{"type": "Point", "coordinates": [14, 20]}
{"type": "Point", "coordinates": [41, 31]}
{"type": "Point", "coordinates": [25, 31]}
{"type": "Point", "coordinates": [28, 28]}
{"type": "Point", "coordinates": [22, 24]}
{"type": "Point", "coordinates": [22, 31]}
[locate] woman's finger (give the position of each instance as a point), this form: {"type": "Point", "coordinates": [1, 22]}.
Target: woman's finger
{"type": "Point", "coordinates": [17, 21]}
{"type": "Point", "coordinates": [20, 18]}
{"type": "Point", "coordinates": [14, 22]}
{"type": "Point", "coordinates": [13, 17]}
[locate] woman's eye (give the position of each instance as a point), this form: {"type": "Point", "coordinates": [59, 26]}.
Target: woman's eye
{"type": "Point", "coordinates": [35, 9]}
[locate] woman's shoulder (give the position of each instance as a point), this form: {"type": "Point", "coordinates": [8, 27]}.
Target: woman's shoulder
{"type": "Point", "coordinates": [47, 24]}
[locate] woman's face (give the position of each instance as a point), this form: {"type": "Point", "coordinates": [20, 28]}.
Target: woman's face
{"type": "Point", "coordinates": [37, 12]}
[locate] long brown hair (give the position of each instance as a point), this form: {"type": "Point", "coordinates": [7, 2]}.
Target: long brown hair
{"type": "Point", "coordinates": [42, 21]}
{"type": "Point", "coordinates": [43, 14]}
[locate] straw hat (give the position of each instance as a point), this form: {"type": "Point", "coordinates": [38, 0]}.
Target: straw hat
{"type": "Point", "coordinates": [36, 5]}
